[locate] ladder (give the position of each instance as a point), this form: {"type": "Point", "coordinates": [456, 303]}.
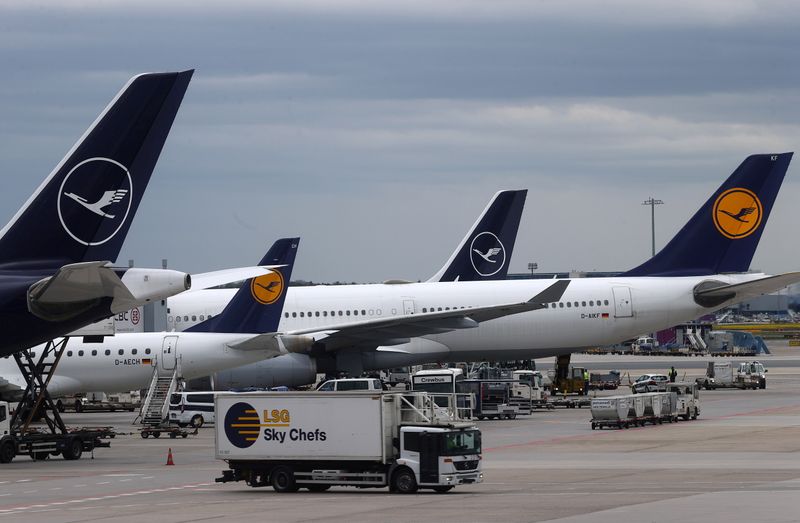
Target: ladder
{"type": "Point", "coordinates": [156, 404]}
{"type": "Point", "coordinates": [36, 401]}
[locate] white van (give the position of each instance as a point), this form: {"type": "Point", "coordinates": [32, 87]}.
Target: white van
{"type": "Point", "coordinates": [194, 409]}
{"type": "Point", "coordinates": [349, 384]}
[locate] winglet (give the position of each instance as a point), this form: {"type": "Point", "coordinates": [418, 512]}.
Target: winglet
{"type": "Point", "coordinates": [257, 306]}
{"type": "Point", "coordinates": [723, 235]}
{"type": "Point", "coordinates": [84, 208]}
{"type": "Point", "coordinates": [485, 252]}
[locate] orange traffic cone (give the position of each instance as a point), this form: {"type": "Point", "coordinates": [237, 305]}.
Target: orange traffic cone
{"type": "Point", "coordinates": [169, 457]}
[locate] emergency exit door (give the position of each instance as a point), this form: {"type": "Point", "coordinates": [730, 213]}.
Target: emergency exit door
{"type": "Point", "coordinates": [623, 305]}
{"type": "Point", "coordinates": [408, 307]}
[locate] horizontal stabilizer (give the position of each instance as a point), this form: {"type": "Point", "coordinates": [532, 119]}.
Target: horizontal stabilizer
{"type": "Point", "coordinates": [77, 287]}
{"type": "Point", "coordinates": [207, 280]}
{"type": "Point", "coordinates": [712, 294]}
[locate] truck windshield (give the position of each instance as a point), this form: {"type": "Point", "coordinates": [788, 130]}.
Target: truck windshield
{"type": "Point", "coordinates": [464, 442]}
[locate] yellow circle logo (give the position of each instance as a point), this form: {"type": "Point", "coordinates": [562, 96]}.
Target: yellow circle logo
{"type": "Point", "coordinates": [737, 213]}
{"type": "Point", "coordinates": [268, 288]}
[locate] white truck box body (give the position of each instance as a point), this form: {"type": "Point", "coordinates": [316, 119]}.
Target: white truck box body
{"type": "Point", "coordinates": [307, 425]}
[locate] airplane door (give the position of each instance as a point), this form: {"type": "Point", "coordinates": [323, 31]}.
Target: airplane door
{"type": "Point", "coordinates": [408, 307]}
{"type": "Point", "coordinates": [169, 350]}
{"type": "Point", "coordinates": [623, 305]}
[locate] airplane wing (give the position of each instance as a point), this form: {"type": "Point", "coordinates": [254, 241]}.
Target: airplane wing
{"type": "Point", "coordinates": [747, 290]}
{"type": "Point", "coordinates": [206, 280]}
{"type": "Point", "coordinates": [397, 330]}
{"type": "Point", "coordinates": [77, 287]}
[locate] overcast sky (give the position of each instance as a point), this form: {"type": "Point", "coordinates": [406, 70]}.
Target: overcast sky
{"type": "Point", "coordinates": [377, 131]}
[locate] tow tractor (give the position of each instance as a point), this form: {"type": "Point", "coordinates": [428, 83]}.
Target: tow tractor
{"type": "Point", "coordinates": [16, 434]}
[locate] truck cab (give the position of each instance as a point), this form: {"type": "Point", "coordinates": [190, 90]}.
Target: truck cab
{"type": "Point", "coordinates": [687, 397]}
{"type": "Point", "coordinates": [753, 373]}
{"type": "Point", "coordinates": [441, 457]}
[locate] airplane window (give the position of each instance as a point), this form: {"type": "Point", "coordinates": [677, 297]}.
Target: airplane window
{"type": "Point", "coordinates": [591, 303]}
{"type": "Point", "coordinates": [561, 304]}
{"type": "Point", "coordinates": [302, 314]}
{"type": "Point", "coordinates": [285, 314]}
{"type": "Point", "coordinates": [147, 351]}
{"type": "Point", "coordinates": [348, 313]}
{"type": "Point", "coordinates": [440, 308]}
{"type": "Point", "coordinates": [294, 315]}
{"type": "Point", "coordinates": [309, 314]}
{"type": "Point", "coordinates": [94, 353]}
{"type": "Point", "coordinates": [316, 314]}
{"type": "Point", "coordinates": [134, 351]}
{"type": "Point", "coordinates": [424, 309]}
{"type": "Point", "coordinates": [363, 312]}
{"type": "Point", "coordinates": [121, 352]}
{"type": "Point", "coordinates": [447, 308]}
{"type": "Point", "coordinates": [170, 319]}
{"type": "Point", "coordinates": [606, 302]}
{"type": "Point", "coordinates": [80, 353]}
{"type": "Point", "coordinates": [340, 313]}
{"type": "Point", "coordinates": [325, 313]}
{"type": "Point", "coordinates": [371, 312]}
{"type": "Point", "coordinates": [194, 318]}
{"type": "Point", "coordinates": [583, 304]}
{"type": "Point", "coordinates": [202, 317]}
{"type": "Point", "coordinates": [186, 318]}
{"type": "Point", "coordinates": [569, 304]}
{"type": "Point", "coordinates": [576, 303]}
{"type": "Point", "coordinates": [108, 352]}
{"type": "Point", "coordinates": [177, 319]}
{"type": "Point", "coordinates": [69, 353]}
{"type": "Point", "coordinates": [379, 311]}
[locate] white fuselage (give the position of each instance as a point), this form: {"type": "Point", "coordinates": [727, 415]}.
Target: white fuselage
{"type": "Point", "coordinates": [592, 311]}
{"type": "Point", "coordinates": [126, 362]}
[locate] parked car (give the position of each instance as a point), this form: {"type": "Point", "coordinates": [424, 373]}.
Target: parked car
{"type": "Point", "coordinates": [650, 383]}
{"type": "Point", "coordinates": [350, 384]}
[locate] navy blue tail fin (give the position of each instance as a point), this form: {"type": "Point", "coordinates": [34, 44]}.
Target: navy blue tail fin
{"type": "Point", "coordinates": [83, 210]}
{"type": "Point", "coordinates": [485, 252]}
{"type": "Point", "coordinates": [723, 235]}
{"type": "Point", "coordinates": [257, 306]}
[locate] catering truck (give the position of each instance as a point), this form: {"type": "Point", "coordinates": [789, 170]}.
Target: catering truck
{"type": "Point", "coordinates": [315, 440]}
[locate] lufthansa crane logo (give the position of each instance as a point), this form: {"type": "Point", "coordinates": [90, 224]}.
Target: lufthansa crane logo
{"type": "Point", "coordinates": [242, 425]}
{"type": "Point", "coordinates": [487, 254]}
{"type": "Point", "coordinates": [94, 200]}
{"type": "Point", "coordinates": [268, 288]}
{"type": "Point", "coordinates": [737, 213]}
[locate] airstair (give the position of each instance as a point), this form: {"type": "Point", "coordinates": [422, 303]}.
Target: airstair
{"type": "Point", "coordinates": [697, 341]}
{"type": "Point", "coordinates": [155, 408]}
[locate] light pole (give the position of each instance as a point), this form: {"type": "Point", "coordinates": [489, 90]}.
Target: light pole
{"type": "Point", "coordinates": [652, 203]}
{"type": "Point", "coordinates": [532, 266]}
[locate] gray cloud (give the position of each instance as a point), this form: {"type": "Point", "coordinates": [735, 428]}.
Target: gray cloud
{"type": "Point", "coordinates": [379, 129]}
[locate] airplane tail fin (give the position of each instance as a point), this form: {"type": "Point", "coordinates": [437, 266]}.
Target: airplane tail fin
{"type": "Point", "coordinates": [257, 307]}
{"type": "Point", "coordinates": [723, 235]}
{"type": "Point", "coordinates": [485, 252]}
{"type": "Point", "coordinates": [83, 210]}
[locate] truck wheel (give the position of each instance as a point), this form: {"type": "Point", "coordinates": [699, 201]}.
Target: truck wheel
{"type": "Point", "coordinates": [7, 452]}
{"type": "Point", "coordinates": [282, 480]}
{"type": "Point", "coordinates": [403, 481]}
{"type": "Point", "coordinates": [156, 434]}
{"type": "Point", "coordinates": [74, 449]}
{"type": "Point", "coordinates": [197, 421]}
{"type": "Point", "coordinates": [443, 489]}
{"type": "Point", "coordinates": [145, 434]}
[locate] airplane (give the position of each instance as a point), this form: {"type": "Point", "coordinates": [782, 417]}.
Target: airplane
{"type": "Point", "coordinates": [244, 332]}
{"type": "Point", "coordinates": [495, 228]}
{"type": "Point", "coordinates": [701, 270]}
{"type": "Point", "coordinates": [56, 274]}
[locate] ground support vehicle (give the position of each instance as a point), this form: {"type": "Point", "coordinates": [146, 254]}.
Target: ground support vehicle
{"type": "Point", "coordinates": [566, 379]}
{"type": "Point", "coordinates": [171, 431]}
{"type": "Point", "coordinates": [747, 375]}
{"type": "Point", "coordinates": [534, 381]}
{"type": "Point", "coordinates": [95, 402]}
{"type": "Point", "coordinates": [687, 399]}
{"type": "Point", "coordinates": [604, 381]}
{"type": "Point", "coordinates": [17, 436]}
{"type": "Point", "coordinates": [493, 399]}
{"type": "Point", "coordinates": [41, 443]}
{"type": "Point", "coordinates": [568, 402]}
{"type": "Point", "coordinates": [293, 440]}
{"type": "Point", "coordinates": [610, 411]}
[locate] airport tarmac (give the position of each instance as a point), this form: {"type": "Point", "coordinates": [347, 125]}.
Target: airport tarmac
{"type": "Point", "coordinates": [739, 462]}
